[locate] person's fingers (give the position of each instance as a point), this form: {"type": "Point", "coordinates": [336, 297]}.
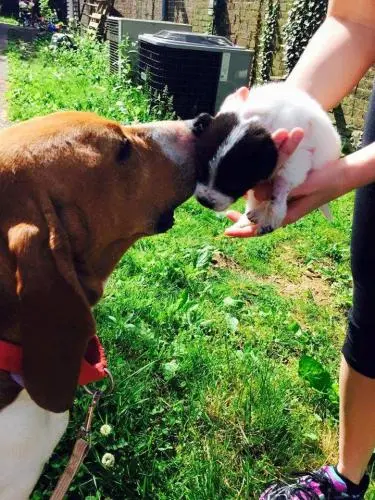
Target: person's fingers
{"type": "Point", "coordinates": [241, 232]}
{"type": "Point", "coordinates": [295, 137]}
{"type": "Point", "coordinates": [233, 215]}
{"type": "Point", "coordinates": [279, 136]}
{"type": "Point", "coordinates": [288, 146]}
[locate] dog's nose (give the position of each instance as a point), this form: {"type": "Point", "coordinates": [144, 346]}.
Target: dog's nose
{"type": "Point", "coordinates": [200, 123]}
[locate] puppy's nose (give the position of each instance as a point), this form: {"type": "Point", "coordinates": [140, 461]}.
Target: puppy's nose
{"type": "Point", "coordinates": [200, 123]}
{"type": "Point", "coordinates": [206, 202]}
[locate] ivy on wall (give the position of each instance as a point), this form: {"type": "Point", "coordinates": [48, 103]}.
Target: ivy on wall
{"type": "Point", "coordinates": [256, 55]}
{"type": "Point", "coordinates": [268, 40]}
{"type": "Point", "coordinates": [304, 19]}
{"type": "Point", "coordinates": [45, 9]}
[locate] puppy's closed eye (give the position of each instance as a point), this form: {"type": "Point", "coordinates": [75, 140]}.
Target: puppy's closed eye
{"type": "Point", "coordinates": [124, 151]}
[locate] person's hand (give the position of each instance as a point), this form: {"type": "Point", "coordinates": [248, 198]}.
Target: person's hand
{"type": "Point", "coordinates": [286, 143]}
{"type": "Point", "coordinates": [321, 186]}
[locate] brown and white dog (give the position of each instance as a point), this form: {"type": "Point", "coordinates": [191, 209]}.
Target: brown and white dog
{"type": "Point", "coordinates": [76, 191]}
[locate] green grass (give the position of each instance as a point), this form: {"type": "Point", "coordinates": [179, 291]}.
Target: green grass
{"type": "Point", "coordinates": [42, 81]}
{"type": "Point", "coordinates": [206, 336]}
{"type": "Point", "coordinates": [8, 20]}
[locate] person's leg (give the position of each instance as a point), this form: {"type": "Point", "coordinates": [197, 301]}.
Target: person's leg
{"type": "Point", "coordinates": [357, 377]}
{"type": "Point", "coordinates": [357, 422]}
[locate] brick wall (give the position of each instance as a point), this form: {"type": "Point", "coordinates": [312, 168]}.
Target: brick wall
{"type": "Point", "coordinates": [144, 9]}
{"type": "Point", "coordinates": [194, 12]}
{"type": "Point", "coordinates": [241, 21]}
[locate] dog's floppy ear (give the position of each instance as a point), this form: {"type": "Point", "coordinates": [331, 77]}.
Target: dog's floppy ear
{"type": "Point", "coordinates": [56, 320]}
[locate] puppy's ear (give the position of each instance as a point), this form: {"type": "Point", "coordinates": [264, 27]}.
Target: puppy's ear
{"type": "Point", "coordinates": [243, 93]}
{"type": "Point", "coordinates": [56, 320]}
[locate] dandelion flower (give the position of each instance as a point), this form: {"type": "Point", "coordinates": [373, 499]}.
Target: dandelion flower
{"type": "Point", "coordinates": [108, 460]}
{"type": "Point", "coordinates": [105, 430]}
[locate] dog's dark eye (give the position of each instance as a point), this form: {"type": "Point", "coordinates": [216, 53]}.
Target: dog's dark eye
{"type": "Point", "coordinates": [201, 123]}
{"type": "Point", "coordinates": [124, 150]}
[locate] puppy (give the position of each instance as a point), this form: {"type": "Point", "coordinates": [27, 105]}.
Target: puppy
{"type": "Point", "coordinates": [245, 153]}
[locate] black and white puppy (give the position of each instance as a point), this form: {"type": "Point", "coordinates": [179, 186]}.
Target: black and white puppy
{"type": "Point", "coordinates": [236, 151]}
{"type": "Point", "coordinates": [233, 157]}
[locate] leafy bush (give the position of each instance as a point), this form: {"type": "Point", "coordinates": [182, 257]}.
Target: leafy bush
{"type": "Point", "coordinates": [268, 40]}
{"type": "Point", "coordinates": [304, 18]}
{"type": "Point", "coordinates": [45, 9]}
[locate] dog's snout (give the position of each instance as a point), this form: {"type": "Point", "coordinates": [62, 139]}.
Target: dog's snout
{"type": "Point", "coordinates": [200, 123]}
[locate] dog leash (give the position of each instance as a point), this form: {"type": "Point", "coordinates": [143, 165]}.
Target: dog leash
{"type": "Point", "coordinates": [82, 444]}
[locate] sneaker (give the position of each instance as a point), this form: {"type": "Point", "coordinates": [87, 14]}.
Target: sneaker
{"type": "Point", "coordinates": [324, 484]}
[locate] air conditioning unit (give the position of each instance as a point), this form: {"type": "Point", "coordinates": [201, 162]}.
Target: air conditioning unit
{"type": "Point", "coordinates": [120, 28]}
{"type": "Point", "coordinates": [198, 70]}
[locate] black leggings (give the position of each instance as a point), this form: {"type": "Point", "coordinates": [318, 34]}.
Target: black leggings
{"type": "Point", "coordinates": [359, 347]}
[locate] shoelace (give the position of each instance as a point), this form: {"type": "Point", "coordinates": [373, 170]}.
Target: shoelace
{"type": "Point", "coordinates": [299, 489]}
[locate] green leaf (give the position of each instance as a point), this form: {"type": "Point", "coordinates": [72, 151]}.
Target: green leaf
{"type": "Point", "coordinates": [232, 323]}
{"type": "Point", "coordinates": [313, 372]}
{"type": "Point", "coordinates": [170, 369]}
{"type": "Point", "coordinates": [182, 301]}
{"type": "Point", "coordinates": [204, 257]}
{"type": "Point", "coordinates": [312, 436]}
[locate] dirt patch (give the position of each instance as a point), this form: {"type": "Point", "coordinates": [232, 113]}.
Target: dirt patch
{"type": "Point", "coordinates": [305, 281]}
{"type": "Point", "coordinates": [222, 261]}
{"type": "Point", "coordinates": [308, 282]}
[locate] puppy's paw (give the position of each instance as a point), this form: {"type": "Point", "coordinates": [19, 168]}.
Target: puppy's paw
{"type": "Point", "coordinates": [265, 230]}
{"type": "Point", "coordinates": [275, 217]}
{"type": "Point", "coordinates": [257, 215]}
{"type": "Point", "coordinates": [269, 219]}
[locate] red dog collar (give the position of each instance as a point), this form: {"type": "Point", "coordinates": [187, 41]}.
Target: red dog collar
{"type": "Point", "coordinates": [93, 366]}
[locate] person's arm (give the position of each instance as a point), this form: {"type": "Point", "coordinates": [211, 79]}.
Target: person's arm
{"type": "Point", "coordinates": [331, 182]}
{"type": "Point", "coordinates": [340, 52]}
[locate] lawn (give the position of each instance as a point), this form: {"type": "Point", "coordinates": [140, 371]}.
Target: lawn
{"type": "Point", "coordinates": [213, 342]}
{"type": "Point", "coordinates": [8, 20]}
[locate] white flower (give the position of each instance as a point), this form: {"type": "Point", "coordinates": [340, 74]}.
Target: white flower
{"type": "Point", "coordinates": [108, 460]}
{"type": "Point", "coordinates": [105, 430]}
